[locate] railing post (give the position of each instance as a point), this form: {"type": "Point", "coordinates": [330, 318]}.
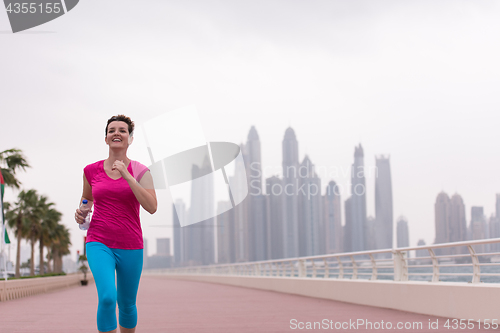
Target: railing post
{"type": "Point", "coordinates": [341, 269]}
{"type": "Point", "coordinates": [354, 269]}
{"type": "Point", "coordinates": [314, 268]}
{"type": "Point", "coordinates": [302, 268]}
{"type": "Point", "coordinates": [400, 267]}
{"type": "Point", "coordinates": [435, 266]}
{"type": "Point", "coordinates": [374, 268]}
{"type": "Point", "coordinates": [292, 269]}
{"type": "Point", "coordinates": [476, 269]}
{"type": "Point", "coordinates": [327, 271]}
{"type": "Point", "coordinates": [257, 269]}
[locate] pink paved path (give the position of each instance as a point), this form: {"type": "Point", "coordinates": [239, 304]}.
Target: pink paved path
{"type": "Point", "coordinates": [183, 306]}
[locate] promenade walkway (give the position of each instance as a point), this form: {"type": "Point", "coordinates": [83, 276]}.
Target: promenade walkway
{"type": "Point", "coordinates": [166, 305]}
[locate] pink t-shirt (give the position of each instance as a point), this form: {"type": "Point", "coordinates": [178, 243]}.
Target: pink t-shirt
{"type": "Point", "coordinates": [115, 219]}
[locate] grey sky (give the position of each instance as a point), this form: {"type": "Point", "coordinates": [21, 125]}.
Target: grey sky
{"type": "Point", "coordinates": [418, 80]}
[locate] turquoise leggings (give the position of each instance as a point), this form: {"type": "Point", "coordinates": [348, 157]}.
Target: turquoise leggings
{"type": "Point", "coordinates": [103, 262]}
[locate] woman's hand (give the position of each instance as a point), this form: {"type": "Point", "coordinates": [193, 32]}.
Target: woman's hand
{"type": "Point", "coordinates": [79, 217]}
{"type": "Point", "coordinates": [122, 168]}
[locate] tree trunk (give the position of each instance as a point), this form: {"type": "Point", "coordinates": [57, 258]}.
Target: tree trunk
{"type": "Point", "coordinates": [32, 266]}
{"type": "Point", "coordinates": [49, 256]}
{"type": "Point", "coordinates": [55, 257]}
{"type": "Point", "coordinates": [42, 268]}
{"type": "Point", "coordinates": [59, 263]}
{"type": "Point", "coordinates": [50, 269]}
{"type": "Point", "coordinates": [18, 256]}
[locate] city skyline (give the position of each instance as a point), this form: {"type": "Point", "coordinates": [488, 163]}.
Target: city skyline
{"type": "Point", "coordinates": [246, 233]}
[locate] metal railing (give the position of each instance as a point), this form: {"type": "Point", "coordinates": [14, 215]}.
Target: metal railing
{"type": "Point", "coordinates": [451, 262]}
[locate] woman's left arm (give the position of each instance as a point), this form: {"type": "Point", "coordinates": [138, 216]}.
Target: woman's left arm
{"type": "Point", "coordinates": [143, 191]}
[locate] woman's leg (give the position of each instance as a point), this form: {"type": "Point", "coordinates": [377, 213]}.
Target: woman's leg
{"type": "Point", "coordinates": [102, 264]}
{"type": "Point", "coordinates": [128, 274]}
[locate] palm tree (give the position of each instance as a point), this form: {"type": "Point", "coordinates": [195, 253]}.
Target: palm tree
{"type": "Point", "coordinates": [50, 221]}
{"type": "Point", "coordinates": [11, 160]}
{"type": "Point", "coordinates": [60, 246]}
{"type": "Point", "coordinates": [33, 227]}
{"type": "Point", "coordinates": [16, 216]}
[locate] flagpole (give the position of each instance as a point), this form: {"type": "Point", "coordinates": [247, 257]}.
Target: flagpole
{"type": "Point", "coordinates": [2, 243]}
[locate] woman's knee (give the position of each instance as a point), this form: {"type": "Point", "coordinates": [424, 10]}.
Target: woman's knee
{"type": "Point", "coordinates": [107, 300]}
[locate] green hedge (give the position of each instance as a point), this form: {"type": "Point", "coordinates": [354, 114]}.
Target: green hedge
{"type": "Point", "coordinates": [36, 276]}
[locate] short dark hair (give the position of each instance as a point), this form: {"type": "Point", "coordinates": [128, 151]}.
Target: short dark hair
{"type": "Point", "coordinates": [123, 118]}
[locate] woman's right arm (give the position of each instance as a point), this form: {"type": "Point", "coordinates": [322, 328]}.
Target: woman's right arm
{"type": "Point", "coordinates": [86, 195]}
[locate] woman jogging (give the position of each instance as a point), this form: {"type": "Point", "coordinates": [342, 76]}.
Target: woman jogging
{"type": "Point", "coordinates": [116, 187]}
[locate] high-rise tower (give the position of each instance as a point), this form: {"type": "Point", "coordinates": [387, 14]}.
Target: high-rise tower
{"type": "Point", "coordinates": [240, 212]}
{"type": "Point", "coordinates": [179, 242]}
{"type": "Point", "coordinates": [458, 224]}
{"type": "Point", "coordinates": [347, 243]}
{"type": "Point", "coordinates": [358, 228]}
{"type": "Point", "coordinates": [403, 232]}
{"type": "Point", "coordinates": [199, 237]}
{"type": "Point", "coordinates": [479, 228]}
{"type": "Point", "coordinates": [257, 224]}
{"type": "Point", "coordinates": [225, 233]}
{"type": "Point", "coordinates": [290, 202]}
{"type": "Point", "coordinates": [274, 210]}
{"type": "Point", "coordinates": [442, 214]}
{"type": "Point", "coordinates": [332, 219]}
{"type": "Point", "coordinates": [310, 226]}
{"type": "Point", "coordinates": [383, 204]}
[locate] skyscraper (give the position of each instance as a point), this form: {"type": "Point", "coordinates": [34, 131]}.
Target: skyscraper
{"type": "Point", "coordinates": [179, 251]}
{"type": "Point", "coordinates": [371, 227]}
{"type": "Point", "coordinates": [257, 224]}
{"type": "Point", "coordinates": [442, 215]}
{"type": "Point", "coordinates": [163, 246]}
{"type": "Point", "coordinates": [421, 253]}
{"type": "Point", "coordinates": [479, 228]}
{"type": "Point", "coordinates": [199, 237]}
{"type": "Point", "coordinates": [495, 229]}
{"type": "Point", "coordinates": [225, 233]}
{"type": "Point", "coordinates": [358, 227]}
{"type": "Point", "coordinates": [253, 156]}
{"type": "Point", "coordinates": [310, 223]}
{"type": "Point", "coordinates": [497, 206]}
{"type": "Point", "coordinates": [241, 212]}
{"type": "Point", "coordinates": [494, 225]}
{"type": "Point", "coordinates": [332, 219]}
{"type": "Point", "coordinates": [403, 232]}
{"type": "Point", "coordinates": [348, 225]}
{"type": "Point", "coordinates": [458, 224]}
{"type": "Point", "coordinates": [383, 204]}
{"type": "Point", "coordinates": [274, 196]}
{"type": "Point", "coordinates": [290, 202]}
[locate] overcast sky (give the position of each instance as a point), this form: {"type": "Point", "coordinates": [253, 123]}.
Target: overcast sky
{"type": "Point", "coordinates": [417, 80]}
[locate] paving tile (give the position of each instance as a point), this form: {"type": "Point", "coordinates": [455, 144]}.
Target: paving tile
{"type": "Point", "coordinates": [166, 305]}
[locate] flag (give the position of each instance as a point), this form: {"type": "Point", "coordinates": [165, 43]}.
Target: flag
{"type": "Point", "coordinates": [2, 219]}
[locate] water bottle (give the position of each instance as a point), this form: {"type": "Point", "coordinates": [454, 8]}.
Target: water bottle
{"type": "Point", "coordinates": [84, 207]}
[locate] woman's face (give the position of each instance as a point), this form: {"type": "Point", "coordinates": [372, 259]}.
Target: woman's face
{"type": "Point", "coordinates": [118, 136]}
